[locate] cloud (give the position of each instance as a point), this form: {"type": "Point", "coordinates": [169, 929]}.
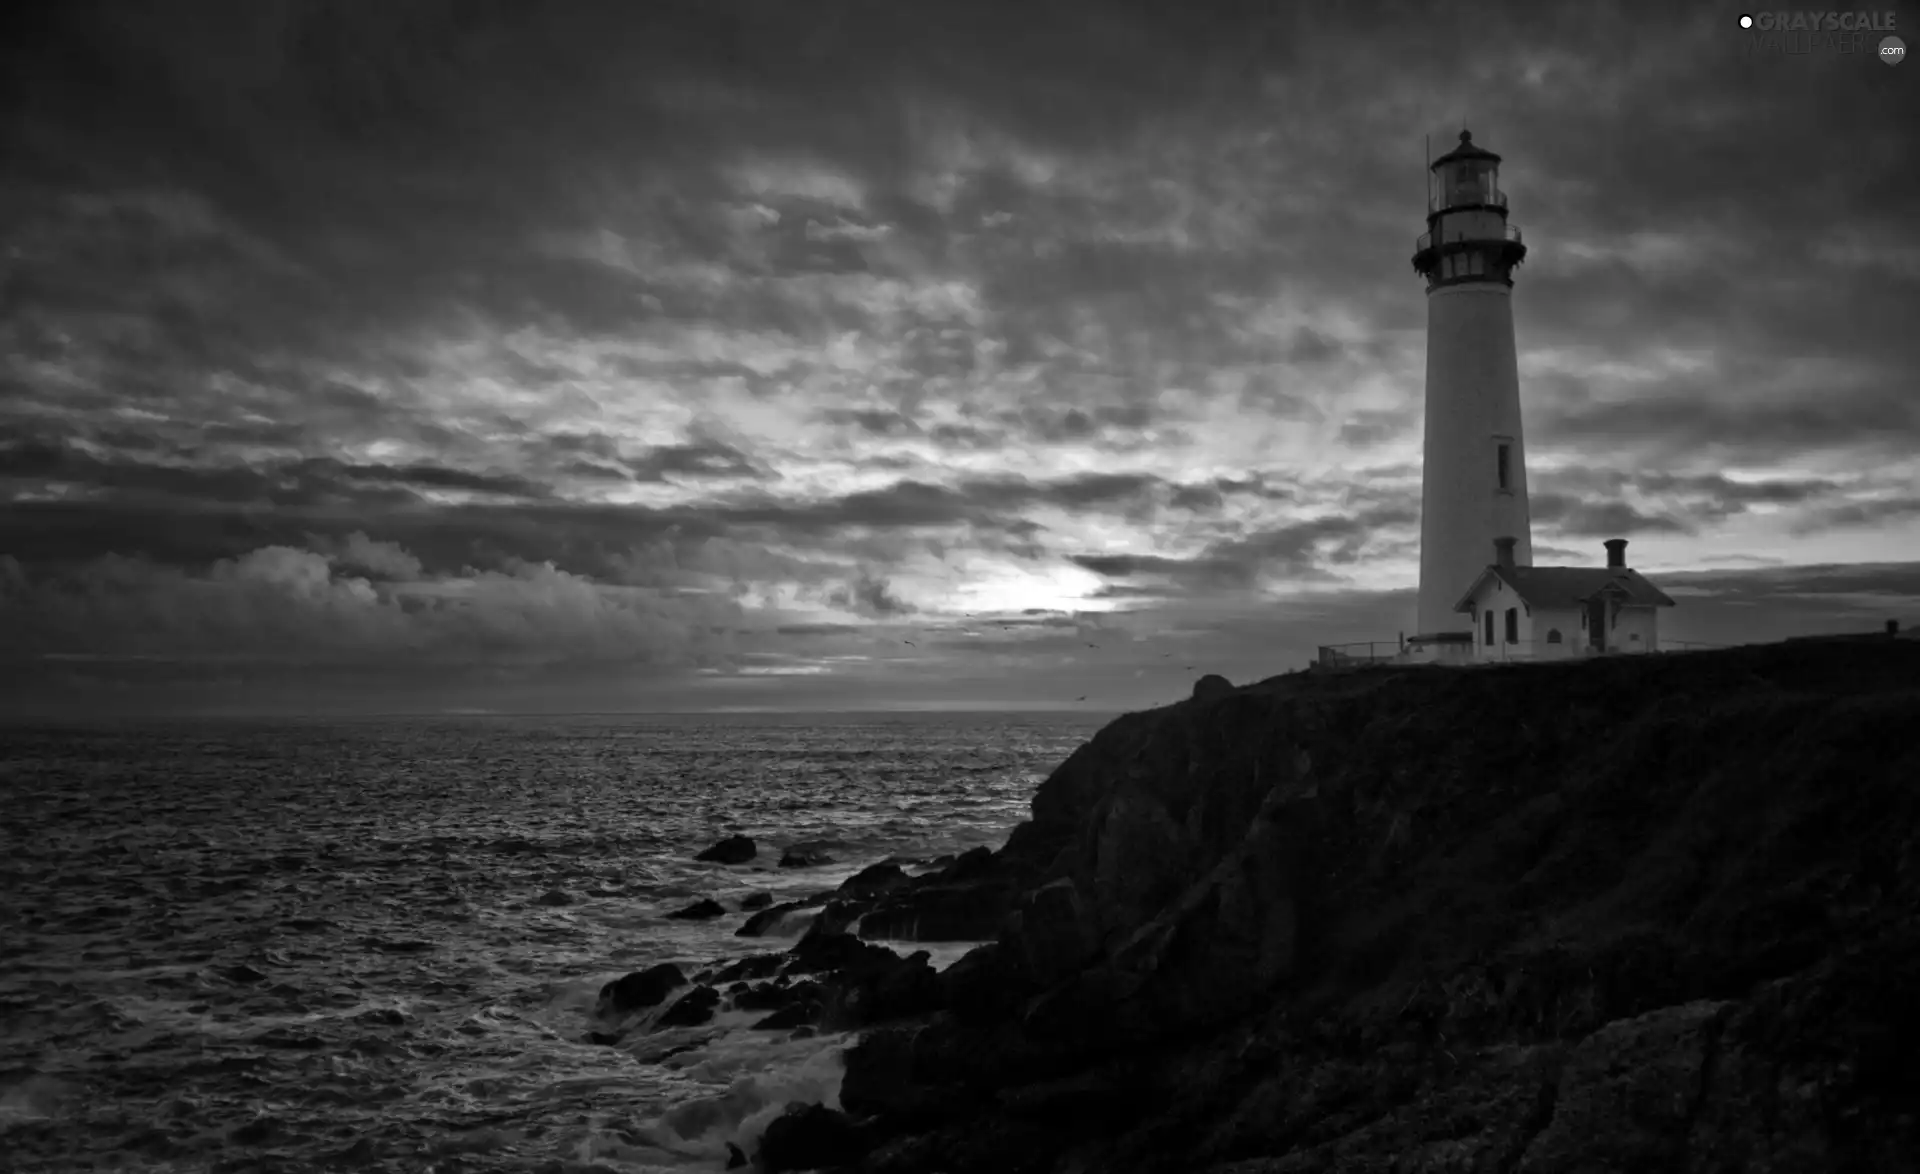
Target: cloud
{"type": "Point", "coordinates": [468, 329]}
{"type": "Point", "coordinates": [284, 604]}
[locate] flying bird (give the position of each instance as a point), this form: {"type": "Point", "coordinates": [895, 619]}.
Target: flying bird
{"type": "Point", "coordinates": [1082, 697]}
{"type": "Point", "coordinates": [1091, 644]}
{"type": "Point", "coordinates": [909, 644]}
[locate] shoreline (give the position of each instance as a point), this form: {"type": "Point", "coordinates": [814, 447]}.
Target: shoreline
{"type": "Point", "coordinates": [1302, 925]}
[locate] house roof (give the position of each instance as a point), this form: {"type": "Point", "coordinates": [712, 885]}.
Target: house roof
{"type": "Point", "coordinates": [1569, 586]}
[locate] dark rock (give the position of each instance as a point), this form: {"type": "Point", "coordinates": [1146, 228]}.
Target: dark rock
{"type": "Point", "coordinates": [1620, 913]}
{"type": "Point", "coordinates": [809, 1137]}
{"type": "Point", "coordinates": [731, 850]}
{"type": "Point", "coordinates": [642, 988]}
{"type": "Point", "coordinates": [243, 973]}
{"type": "Point", "coordinates": [704, 909]}
{"type": "Point", "coordinates": [554, 898]}
{"type": "Point", "coordinates": [604, 1038]}
{"type": "Point", "coordinates": [970, 865]}
{"type": "Point", "coordinates": [765, 996]}
{"type": "Point", "coordinates": [801, 1013]}
{"type": "Point", "coordinates": [874, 880]}
{"type": "Point", "coordinates": [1211, 687]}
{"type": "Point", "coordinates": [1052, 932]}
{"type": "Point", "coordinates": [752, 966]}
{"type": "Point", "coordinates": [963, 912]}
{"type": "Point", "coordinates": [797, 857]}
{"type": "Point", "coordinates": [735, 1157]}
{"type": "Point", "coordinates": [763, 921]}
{"type": "Point", "coordinates": [691, 1009]}
{"type": "Point", "coordinates": [753, 901]}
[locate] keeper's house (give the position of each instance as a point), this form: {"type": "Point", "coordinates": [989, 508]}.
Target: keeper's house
{"type": "Point", "coordinates": [1550, 612]}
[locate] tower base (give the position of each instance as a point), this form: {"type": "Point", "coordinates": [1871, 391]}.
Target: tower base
{"type": "Point", "coordinates": [1440, 647]}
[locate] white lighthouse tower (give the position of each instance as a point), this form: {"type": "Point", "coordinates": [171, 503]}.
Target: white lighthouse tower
{"type": "Point", "coordinates": [1474, 481]}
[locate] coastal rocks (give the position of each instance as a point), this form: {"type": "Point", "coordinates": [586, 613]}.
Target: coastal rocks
{"type": "Point", "coordinates": [691, 1009]}
{"type": "Point", "coordinates": [764, 921]}
{"type": "Point", "coordinates": [800, 856]}
{"type": "Point", "coordinates": [966, 901]}
{"type": "Point", "coordinates": [554, 898]}
{"type": "Point", "coordinates": [642, 988]}
{"type": "Point", "coordinates": [940, 913]}
{"type": "Point", "coordinates": [753, 901]}
{"type": "Point", "coordinates": [705, 909]}
{"type": "Point", "coordinates": [731, 850]}
{"type": "Point", "coordinates": [870, 984]}
{"type": "Point", "coordinates": [752, 966]}
{"type": "Point", "coordinates": [809, 1137]}
{"type": "Point", "coordinates": [1593, 917]}
{"type": "Point", "coordinates": [874, 880]}
{"type": "Point", "coordinates": [1051, 930]}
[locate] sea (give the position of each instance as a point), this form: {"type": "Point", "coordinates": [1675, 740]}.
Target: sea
{"type": "Point", "coordinates": [231, 945]}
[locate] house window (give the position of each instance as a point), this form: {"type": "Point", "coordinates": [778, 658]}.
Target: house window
{"type": "Point", "coordinates": [1504, 463]}
{"type": "Point", "coordinates": [1489, 639]}
{"type": "Point", "coordinates": [1513, 625]}
{"type": "Point", "coordinates": [1553, 635]}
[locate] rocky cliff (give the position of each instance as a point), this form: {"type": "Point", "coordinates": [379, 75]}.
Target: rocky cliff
{"type": "Point", "coordinates": [1632, 914]}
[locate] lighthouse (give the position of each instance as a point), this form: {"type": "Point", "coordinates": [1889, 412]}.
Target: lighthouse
{"type": "Point", "coordinates": [1474, 479]}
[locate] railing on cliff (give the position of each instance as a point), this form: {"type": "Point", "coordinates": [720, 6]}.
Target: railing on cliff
{"type": "Point", "coordinates": [1358, 653]}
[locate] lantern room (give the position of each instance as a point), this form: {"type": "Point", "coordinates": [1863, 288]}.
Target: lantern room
{"type": "Point", "coordinates": [1467, 177]}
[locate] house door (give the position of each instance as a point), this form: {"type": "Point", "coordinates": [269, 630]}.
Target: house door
{"type": "Point", "coordinates": [1597, 624]}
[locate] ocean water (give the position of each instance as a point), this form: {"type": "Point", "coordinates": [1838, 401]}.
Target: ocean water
{"type": "Point", "coordinates": [378, 944]}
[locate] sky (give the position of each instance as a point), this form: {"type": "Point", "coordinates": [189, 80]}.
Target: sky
{"type": "Point", "coordinates": [492, 356]}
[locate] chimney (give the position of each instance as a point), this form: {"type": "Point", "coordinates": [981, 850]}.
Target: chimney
{"type": "Point", "coordinates": [1893, 627]}
{"type": "Point", "coordinates": [1503, 551]}
{"type": "Point", "coordinates": [1616, 554]}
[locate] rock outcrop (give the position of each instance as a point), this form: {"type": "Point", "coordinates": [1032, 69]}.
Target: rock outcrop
{"type": "Point", "coordinates": [730, 850]}
{"type": "Point", "coordinates": [1627, 914]}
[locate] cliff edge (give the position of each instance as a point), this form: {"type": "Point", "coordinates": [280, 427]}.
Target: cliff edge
{"type": "Point", "coordinates": [1630, 914]}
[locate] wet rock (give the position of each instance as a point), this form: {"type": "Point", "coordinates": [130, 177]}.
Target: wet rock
{"type": "Point", "coordinates": [763, 921]}
{"type": "Point", "coordinates": [691, 1009]}
{"type": "Point", "coordinates": [800, 1013]}
{"type": "Point", "coordinates": [809, 1137]}
{"type": "Point", "coordinates": [798, 857]}
{"type": "Point", "coordinates": [874, 880]}
{"type": "Point", "coordinates": [642, 988]}
{"type": "Point", "coordinates": [553, 898]}
{"type": "Point", "coordinates": [753, 901]}
{"type": "Point", "coordinates": [702, 910]}
{"type": "Point", "coordinates": [242, 973]}
{"type": "Point", "coordinates": [962, 912]}
{"type": "Point", "coordinates": [866, 983]}
{"type": "Point", "coordinates": [731, 850]}
{"type": "Point", "coordinates": [605, 1039]}
{"type": "Point", "coordinates": [735, 1158]}
{"type": "Point", "coordinates": [970, 865]}
{"type": "Point", "coordinates": [750, 967]}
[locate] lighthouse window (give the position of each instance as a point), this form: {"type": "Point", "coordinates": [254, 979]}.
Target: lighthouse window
{"type": "Point", "coordinates": [1503, 462]}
